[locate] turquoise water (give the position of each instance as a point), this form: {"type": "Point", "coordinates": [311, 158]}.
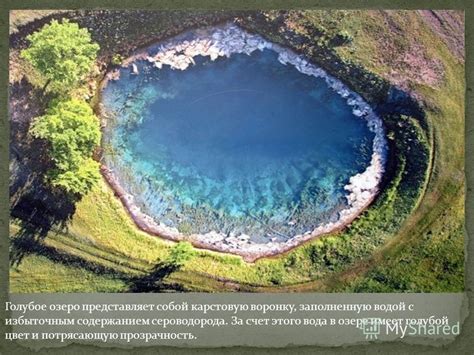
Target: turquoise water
{"type": "Point", "coordinates": [241, 144]}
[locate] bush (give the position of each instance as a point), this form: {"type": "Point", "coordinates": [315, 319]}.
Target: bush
{"type": "Point", "coordinates": [117, 59]}
{"type": "Point", "coordinates": [180, 254]}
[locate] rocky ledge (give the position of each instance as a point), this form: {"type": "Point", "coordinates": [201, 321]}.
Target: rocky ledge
{"type": "Point", "coordinates": [179, 53]}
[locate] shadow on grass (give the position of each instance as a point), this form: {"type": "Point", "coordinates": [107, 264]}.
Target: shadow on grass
{"type": "Point", "coordinates": [26, 246]}
{"type": "Point", "coordinates": [153, 281]}
{"type": "Point", "coordinates": [36, 207]}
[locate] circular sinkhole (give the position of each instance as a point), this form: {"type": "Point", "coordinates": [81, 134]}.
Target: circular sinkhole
{"type": "Point", "coordinates": [237, 144]}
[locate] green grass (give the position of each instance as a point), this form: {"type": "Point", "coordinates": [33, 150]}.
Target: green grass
{"type": "Point", "coordinates": [427, 253]}
{"type": "Point", "coordinates": [411, 239]}
{"type": "Point", "coordinates": [37, 273]}
{"type": "Point", "coordinates": [20, 18]}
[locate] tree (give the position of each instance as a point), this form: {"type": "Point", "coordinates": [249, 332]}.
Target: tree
{"type": "Point", "coordinates": [62, 53]}
{"type": "Point", "coordinates": [72, 132]}
{"type": "Point", "coordinates": [78, 181]}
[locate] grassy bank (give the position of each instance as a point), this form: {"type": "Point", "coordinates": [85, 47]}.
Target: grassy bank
{"type": "Point", "coordinates": [410, 239]}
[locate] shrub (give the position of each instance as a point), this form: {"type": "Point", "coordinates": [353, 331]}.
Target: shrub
{"type": "Point", "coordinates": [180, 254]}
{"type": "Point", "coordinates": [117, 59]}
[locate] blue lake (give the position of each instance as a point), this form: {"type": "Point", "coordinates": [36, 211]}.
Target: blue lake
{"type": "Point", "coordinates": [241, 144]}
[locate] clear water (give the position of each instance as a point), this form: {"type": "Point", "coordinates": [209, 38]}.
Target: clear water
{"type": "Point", "coordinates": [241, 144]}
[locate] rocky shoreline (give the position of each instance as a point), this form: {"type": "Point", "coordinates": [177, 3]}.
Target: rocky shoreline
{"type": "Point", "coordinates": [178, 53]}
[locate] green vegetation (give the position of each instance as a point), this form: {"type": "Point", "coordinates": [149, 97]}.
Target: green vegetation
{"type": "Point", "coordinates": [116, 59]}
{"type": "Point", "coordinates": [411, 238]}
{"type": "Point", "coordinates": [38, 273]}
{"type": "Point", "coordinates": [180, 254]}
{"type": "Point", "coordinates": [72, 132]}
{"type": "Point", "coordinates": [62, 53]}
{"type": "Point", "coordinates": [439, 262]}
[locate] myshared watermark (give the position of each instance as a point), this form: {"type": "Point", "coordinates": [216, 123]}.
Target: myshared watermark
{"type": "Point", "coordinates": [372, 328]}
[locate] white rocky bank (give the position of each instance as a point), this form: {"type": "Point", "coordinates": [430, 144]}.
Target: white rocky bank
{"type": "Point", "coordinates": [224, 41]}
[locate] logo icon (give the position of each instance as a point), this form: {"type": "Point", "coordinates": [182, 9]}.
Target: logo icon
{"type": "Point", "coordinates": [371, 328]}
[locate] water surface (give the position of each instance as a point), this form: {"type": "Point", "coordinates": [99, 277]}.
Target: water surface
{"type": "Point", "coordinates": [237, 145]}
